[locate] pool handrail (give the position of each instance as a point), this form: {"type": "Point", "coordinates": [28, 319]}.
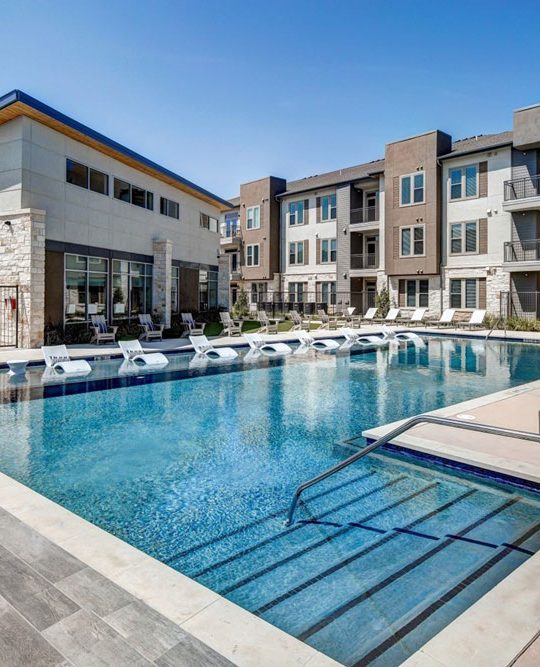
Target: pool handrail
{"type": "Point", "coordinates": [398, 430]}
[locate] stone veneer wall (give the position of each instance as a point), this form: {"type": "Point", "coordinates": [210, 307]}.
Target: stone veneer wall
{"type": "Point", "coordinates": [162, 280]}
{"type": "Point", "coordinates": [223, 281]}
{"type": "Point", "coordinates": [497, 281]}
{"type": "Point", "coordinates": [22, 263]}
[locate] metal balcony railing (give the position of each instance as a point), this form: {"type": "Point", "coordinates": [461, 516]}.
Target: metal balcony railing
{"type": "Point", "coordinates": [522, 251]}
{"type": "Point", "coordinates": [522, 188]}
{"type": "Point", "coordinates": [520, 304]}
{"type": "Point", "coordinates": [364, 214]}
{"type": "Point", "coordinates": [365, 261]}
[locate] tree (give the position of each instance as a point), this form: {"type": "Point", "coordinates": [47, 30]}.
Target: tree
{"type": "Point", "coordinates": [382, 301]}
{"type": "Point", "coordinates": [241, 307]}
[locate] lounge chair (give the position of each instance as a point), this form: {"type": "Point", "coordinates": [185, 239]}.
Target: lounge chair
{"type": "Point", "coordinates": [298, 322]}
{"type": "Point", "coordinates": [230, 326]}
{"type": "Point", "coordinates": [57, 358]}
{"type": "Point", "coordinates": [203, 346]}
{"type": "Point", "coordinates": [370, 315]}
{"type": "Point", "coordinates": [192, 328]}
{"type": "Point", "coordinates": [267, 325]}
{"type": "Point", "coordinates": [102, 332]}
{"type": "Point", "coordinates": [257, 342]}
{"type": "Point", "coordinates": [447, 318]}
{"type": "Point", "coordinates": [354, 338]}
{"type": "Point", "coordinates": [391, 334]}
{"type": "Point", "coordinates": [327, 322]}
{"type": "Point", "coordinates": [307, 340]}
{"type": "Point", "coordinates": [417, 317]}
{"type": "Point", "coordinates": [134, 353]}
{"type": "Point", "coordinates": [392, 315]}
{"type": "Point", "coordinates": [476, 320]}
{"type": "Point", "coordinates": [150, 331]}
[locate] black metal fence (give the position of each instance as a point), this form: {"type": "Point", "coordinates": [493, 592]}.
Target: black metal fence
{"type": "Point", "coordinates": [308, 303]}
{"type": "Point", "coordinates": [522, 188]}
{"type": "Point", "coordinates": [522, 251]}
{"type": "Point", "coordinates": [520, 304]}
{"type": "Point", "coordinates": [9, 315]}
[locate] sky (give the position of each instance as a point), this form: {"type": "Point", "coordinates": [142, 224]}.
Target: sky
{"type": "Point", "coordinates": [225, 92]}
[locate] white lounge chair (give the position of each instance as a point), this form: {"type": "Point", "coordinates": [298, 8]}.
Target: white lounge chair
{"type": "Point", "coordinates": [476, 320]}
{"type": "Point", "coordinates": [202, 346]}
{"type": "Point", "coordinates": [447, 317]}
{"type": "Point", "coordinates": [355, 338]}
{"type": "Point", "coordinates": [391, 334]}
{"type": "Point", "coordinates": [192, 328]}
{"type": "Point", "coordinates": [392, 315]}
{"type": "Point", "coordinates": [257, 342]}
{"type": "Point", "coordinates": [370, 315]}
{"type": "Point", "coordinates": [307, 340]}
{"type": "Point", "coordinates": [417, 317]}
{"type": "Point", "coordinates": [133, 352]}
{"type": "Point", "coordinates": [150, 330]}
{"type": "Point", "coordinates": [230, 326]}
{"type": "Point", "coordinates": [57, 358]}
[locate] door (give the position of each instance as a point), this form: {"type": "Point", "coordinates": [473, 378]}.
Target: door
{"type": "Point", "coordinates": [371, 252]}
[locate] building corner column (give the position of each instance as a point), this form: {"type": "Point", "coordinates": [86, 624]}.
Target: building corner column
{"type": "Point", "coordinates": [162, 280]}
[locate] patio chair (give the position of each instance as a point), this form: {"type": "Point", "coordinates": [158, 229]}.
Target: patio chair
{"type": "Point", "coordinates": [298, 322]}
{"type": "Point", "coordinates": [230, 326]}
{"type": "Point", "coordinates": [134, 353]}
{"type": "Point", "coordinates": [307, 340]}
{"type": "Point", "coordinates": [417, 317]}
{"type": "Point", "coordinates": [257, 342]}
{"type": "Point", "coordinates": [267, 326]}
{"type": "Point", "coordinates": [392, 315]}
{"type": "Point", "coordinates": [192, 327]}
{"type": "Point", "coordinates": [102, 332]}
{"type": "Point", "coordinates": [150, 331]}
{"type": "Point", "coordinates": [406, 336]}
{"type": "Point", "coordinates": [327, 322]}
{"type": "Point", "coordinates": [57, 358]}
{"type": "Point", "coordinates": [476, 320]}
{"type": "Point", "coordinates": [370, 315]}
{"type": "Point", "coordinates": [355, 338]}
{"type": "Point", "coordinates": [447, 318]}
{"type": "Point", "coordinates": [204, 347]}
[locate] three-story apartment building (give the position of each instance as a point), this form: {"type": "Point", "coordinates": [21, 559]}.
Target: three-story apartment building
{"type": "Point", "coordinates": [89, 227]}
{"type": "Point", "coordinates": [439, 223]}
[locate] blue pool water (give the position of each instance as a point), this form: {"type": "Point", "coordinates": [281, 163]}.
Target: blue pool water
{"type": "Point", "coordinates": [199, 472]}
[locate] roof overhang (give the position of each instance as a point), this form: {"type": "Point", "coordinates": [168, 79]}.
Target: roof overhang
{"type": "Point", "coordinates": [17, 103]}
{"type": "Point", "coordinates": [485, 149]}
{"type": "Point", "coordinates": [365, 177]}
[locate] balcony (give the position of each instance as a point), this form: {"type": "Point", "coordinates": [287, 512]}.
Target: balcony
{"type": "Point", "coordinates": [365, 216]}
{"type": "Point", "coordinates": [230, 235]}
{"type": "Point", "coordinates": [522, 255]}
{"type": "Point", "coordinates": [235, 275]}
{"type": "Point", "coordinates": [366, 262]}
{"type": "Point", "coordinates": [522, 194]}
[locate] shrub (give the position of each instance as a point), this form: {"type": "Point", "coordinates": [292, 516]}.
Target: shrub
{"type": "Point", "coordinates": [383, 302]}
{"type": "Point", "coordinates": [241, 307]}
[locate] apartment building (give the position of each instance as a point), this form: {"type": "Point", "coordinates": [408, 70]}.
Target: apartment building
{"type": "Point", "coordinates": [88, 226]}
{"type": "Point", "coordinates": [439, 223]}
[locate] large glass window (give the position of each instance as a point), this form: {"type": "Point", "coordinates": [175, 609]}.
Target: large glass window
{"type": "Point", "coordinates": [208, 222]}
{"type": "Point", "coordinates": [169, 208]}
{"type": "Point", "coordinates": [296, 213]}
{"type": "Point", "coordinates": [464, 182]}
{"type": "Point", "coordinates": [86, 177]}
{"type": "Point", "coordinates": [131, 288]}
{"type": "Point", "coordinates": [296, 292]}
{"type": "Point", "coordinates": [132, 194]}
{"type": "Point", "coordinates": [328, 208]}
{"type": "Point", "coordinates": [208, 281]}
{"type": "Point", "coordinates": [296, 252]}
{"type": "Point", "coordinates": [85, 287]}
{"type": "Point", "coordinates": [253, 217]}
{"type": "Point", "coordinates": [258, 292]}
{"type": "Point", "coordinates": [464, 293]}
{"type": "Point", "coordinates": [412, 189]}
{"type": "Point", "coordinates": [328, 250]}
{"type": "Point", "coordinates": [327, 292]}
{"type": "Point", "coordinates": [463, 238]}
{"type": "Point", "coordinates": [417, 293]}
{"type": "Point", "coordinates": [412, 241]}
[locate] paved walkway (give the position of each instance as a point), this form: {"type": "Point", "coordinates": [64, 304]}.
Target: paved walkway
{"type": "Point", "coordinates": [55, 610]}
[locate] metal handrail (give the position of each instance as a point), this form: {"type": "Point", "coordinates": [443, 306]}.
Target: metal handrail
{"type": "Point", "coordinates": [383, 440]}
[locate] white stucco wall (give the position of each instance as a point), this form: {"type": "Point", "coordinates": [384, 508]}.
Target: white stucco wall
{"type": "Point", "coordinates": [35, 155]}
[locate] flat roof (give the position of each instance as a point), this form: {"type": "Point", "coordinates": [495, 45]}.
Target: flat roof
{"type": "Point", "coordinates": [18, 103]}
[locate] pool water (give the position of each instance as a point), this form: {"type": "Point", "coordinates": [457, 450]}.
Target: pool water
{"type": "Point", "coordinates": [198, 473]}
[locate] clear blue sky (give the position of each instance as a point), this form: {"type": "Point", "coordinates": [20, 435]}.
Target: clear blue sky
{"type": "Point", "coordinates": [223, 91]}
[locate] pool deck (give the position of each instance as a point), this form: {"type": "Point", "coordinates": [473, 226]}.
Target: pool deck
{"type": "Point", "coordinates": [73, 594]}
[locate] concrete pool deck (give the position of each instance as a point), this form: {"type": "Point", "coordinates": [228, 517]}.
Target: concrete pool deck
{"type": "Point", "coordinates": [73, 594]}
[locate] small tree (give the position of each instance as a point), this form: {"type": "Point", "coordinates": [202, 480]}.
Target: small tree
{"type": "Point", "coordinates": [382, 301]}
{"type": "Point", "coordinates": [241, 307]}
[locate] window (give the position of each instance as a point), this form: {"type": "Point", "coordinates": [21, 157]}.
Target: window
{"type": "Point", "coordinates": [463, 238]}
{"type": "Point", "coordinates": [296, 252]}
{"type": "Point", "coordinates": [208, 290]}
{"type": "Point", "coordinates": [133, 195]}
{"type": "Point", "coordinates": [253, 217]}
{"type": "Point", "coordinates": [208, 222]}
{"type": "Point", "coordinates": [464, 182]}
{"type": "Point", "coordinates": [328, 208]}
{"type": "Point", "coordinates": [327, 292]}
{"type": "Point", "coordinates": [175, 289]}
{"type": "Point", "coordinates": [464, 293]}
{"type": "Point", "coordinates": [252, 255]}
{"type": "Point", "coordinates": [233, 262]}
{"type": "Point", "coordinates": [258, 292]}
{"type": "Point", "coordinates": [86, 177]}
{"type": "Point", "coordinates": [297, 213]}
{"type": "Point", "coordinates": [296, 292]}
{"type": "Point", "coordinates": [328, 250]}
{"type": "Point", "coordinates": [412, 241]}
{"type": "Point", "coordinates": [412, 189]}
{"type": "Point", "coordinates": [414, 293]}
{"type": "Point", "coordinates": [231, 228]}
{"type": "Point", "coordinates": [169, 208]}
{"type": "Point", "coordinates": [132, 288]}
{"type": "Point", "coordinates": [85, 287]}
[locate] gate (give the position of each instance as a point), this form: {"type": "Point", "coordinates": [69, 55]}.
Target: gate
{"type": "Point", "coordinates": [9, 316]}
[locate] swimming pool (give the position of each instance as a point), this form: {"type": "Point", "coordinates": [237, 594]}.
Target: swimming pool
{"type": "Point", "coordinates": [197, 470]}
